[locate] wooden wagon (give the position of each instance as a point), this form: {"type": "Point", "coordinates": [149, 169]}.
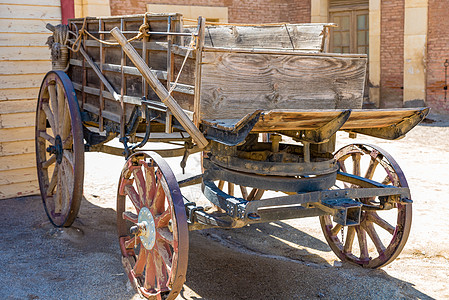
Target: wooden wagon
{"type": "Point", "coordinates": [262, 103]}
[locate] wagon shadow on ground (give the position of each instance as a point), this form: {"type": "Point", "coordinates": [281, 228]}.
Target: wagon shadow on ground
{"type": "Point", "coordinates": [83, 262]}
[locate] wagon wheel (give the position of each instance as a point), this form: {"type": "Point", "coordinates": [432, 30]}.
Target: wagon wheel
{"type": "Point", "coordinates": [59, 149]}
{"type": "Point", "coordinates": [152, 226]}
{"type": "Point", "coordinates": [381, 234]}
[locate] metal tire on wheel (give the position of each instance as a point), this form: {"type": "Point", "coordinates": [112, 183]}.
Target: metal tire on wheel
{"type": "Point", "coordinates": [59, 149]}
{"type": "Point", "coordinates": [381, 234]}
{"type": "Point", "coordinates": [152, 227]}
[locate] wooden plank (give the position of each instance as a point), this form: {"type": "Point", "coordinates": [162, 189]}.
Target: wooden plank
{"type": "Point", "coordinates": [27, 26]}
{"type": "Point", "coordinates": [305, 37]}
{"type": "Point", "coordinates": [24, 67]}
{"type": "Point", "coordinates": [21, 81]}
{"type": "Point", "coordinates": [19, 189]}
{"type": "Point", "coordinates": [18, 175]}
{"type": "Point", "coordinates": [17, 120]}
{"type": "Point", "coordinates": [276, 120]}
{"type": "Point", "coordinates": [45, 3]}
{"type": "Point", "coordinates": [17, 106]}
{"type": "Point", "coordinates": [12, 162]}
{"type": "Point", "coordinates": [25, 53]}
{"type": "Point", "coordinates": [236, 84]}
{"type": "Point", "coordinates": [23, 39]}
{"type": "Point", "coordinates": [30, 12]}
{"type": "Point", "coordinates": [7, 94]}
{"type": "Point", "coordinates": [13, 148]}
{"type": "Point", "coordinates": [16, 134]}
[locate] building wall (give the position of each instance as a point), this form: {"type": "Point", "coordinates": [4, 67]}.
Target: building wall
{"type": "Point", "coordinates": [392, 53]}
{"type": "Point", "coordinates": [24, 60]}
{"type": "Point", "coordinates": [243, 11]}
{"type": "Point", "coordinates": [92, 8]}
{"type": "Point", "coordinates": [437, 53]}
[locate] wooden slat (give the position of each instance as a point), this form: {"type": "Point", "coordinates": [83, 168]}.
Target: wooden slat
{"type": "Point", "coordinates": [24, 67]}
{"type": "Point", "coordinates": [21, 81]}
{"type": "Point", "coordinates": [13, 148]}
{"type": "Point", "coordinates": [23, 39]}
{"type": "Point", "coordinates": [294, 36]}
{"type": "Point", "coordinates": [377, 118]}
{"type": "Point", "coordinates": [19, 189]}
{"type": "Point", "coordinates": [18, 175]}
{"type": "Point", "coordinates": [16, 134]}
{"type": "Point", "coordinates": [17, 106]}
{"type": "Point", "coordinates": [28, 53]}
{"type": "Point", "coordinates": [25, 119]}
{"type": "Point", "coordinates": [12, 162]}
{"type": "Point", "coordinates": [30, 12]}
{"type": "Point", "coordinates": [45, 3]}
{"type": "Point", "coordinates": [28, 26]}
{"type": "Point", "coordinates": [18, 93]}
{"type": "Point", "coordinates": [235, 84]}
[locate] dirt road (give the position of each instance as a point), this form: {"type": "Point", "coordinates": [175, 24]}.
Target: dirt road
{"type": "Point", "coordinates": [281, 260]}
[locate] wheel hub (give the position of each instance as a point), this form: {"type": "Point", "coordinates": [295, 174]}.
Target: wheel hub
{"type": "Point", "coordinates": [147, 232]}
{"type": "Point", "coordinates": [56, 149]}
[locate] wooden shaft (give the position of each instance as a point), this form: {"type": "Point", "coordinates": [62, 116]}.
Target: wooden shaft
{"type": "Point", "coordinates": [159, 89]}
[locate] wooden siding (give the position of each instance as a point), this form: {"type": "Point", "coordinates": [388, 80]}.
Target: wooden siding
{"type": "Point", "coordinates": [24, 60]}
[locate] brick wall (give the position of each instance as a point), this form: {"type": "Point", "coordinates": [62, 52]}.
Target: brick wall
{"type": "Point", "coordinates": [391, 53]}
{"type": "Point", "coordinates": [437, 53]}
{"type": "Point", "coordinates": [240, 11]}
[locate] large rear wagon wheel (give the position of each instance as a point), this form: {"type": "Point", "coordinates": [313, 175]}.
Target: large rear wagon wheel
{"type": "Point", "coordinates": [152, 227]}
{"type": "Point", "coordinates": [59, 149]}
{"type": "Point", "coordinates": [382, 234]}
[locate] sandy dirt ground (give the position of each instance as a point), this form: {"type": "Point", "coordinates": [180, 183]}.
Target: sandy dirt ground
{"type": "Point", "coordinates": [279, 260]}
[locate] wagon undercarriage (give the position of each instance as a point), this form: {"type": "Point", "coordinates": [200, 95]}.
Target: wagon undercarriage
{"type": "Point", "coordinates": [262, 104]}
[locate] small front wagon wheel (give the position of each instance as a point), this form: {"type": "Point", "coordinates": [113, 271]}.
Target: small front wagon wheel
{"type": "Point", "coordinates": [152, 227]}
{"type": "Point", "coordinates": [59, 149]}
{"type": "Point", "coordinates": [382, 234]}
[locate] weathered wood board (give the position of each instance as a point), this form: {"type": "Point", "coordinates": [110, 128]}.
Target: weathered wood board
{"type": "Point", "coordinates": [304, 37]}
{"type": "Point", "coordinates": [235, 83]}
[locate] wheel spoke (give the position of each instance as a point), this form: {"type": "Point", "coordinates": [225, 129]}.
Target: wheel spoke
{"type": "Point", "coordinates": [150, 183]}
{"type": "Point", "coordinates": [132, 194]}
{"type": "Point", "coordinates": [220, 184]}
{"type": "Point", "coordinates": [150, 273]}
{"type": "Point", "coordinates": [374, 217]}
{"type": "Point", "coordinates": [61, 108]}
{"type": "Point", "coordinates": [372, 167]}
{"type": "Point", "coordinates": [361, 236]}
{"type": "Point", "coordinates": [53, 182]}
{"type": "Point", "coordinates": [132, 242]}
{"type": "Point", "coordinates": [369, 228]}
{"type": "Point", "coordinates": [48, 137]}
{"type": "Point", "coordinates": [49, 162]}
{"type": "Point", "coordinates": [141, 261]}
{"type": "Point", "coordinates": [68, 157]}
{"type": "Point", "coordinates": [54, 107]}
{"type": "Point", "coordinates": [161, 271]}
{"type": "Point", "coordinates": [140, 184]}
{"type": "Point", "coordinates": [159, 200]}
{"type": "Point", "coordinates": [164, 253]}
{"type": "Point", "coordinates": [341, 163]}
{"type": "Point", "coordinates": [347, 248]}
{"type": "Point", "coordinates": [163, 219]}
{"type": "Point", "coordinates": [68, 142]}
{"type": "Point", "coordinates": [230, 189]}
{"type": "Point", "coordinates": [337, 228]}
{"type": "Point", "coordinates": [50, 117]}
{"type": "Point", "coordinates": [130, 216]}
{"type": "Point", "coordinates": [165, 235]}
{"type": "Point", "coordinates": [244, 192]}
{"type": "Point", "coordinates": [58, 198]}
{"type": "Point", "coordinates": [356, 163]}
